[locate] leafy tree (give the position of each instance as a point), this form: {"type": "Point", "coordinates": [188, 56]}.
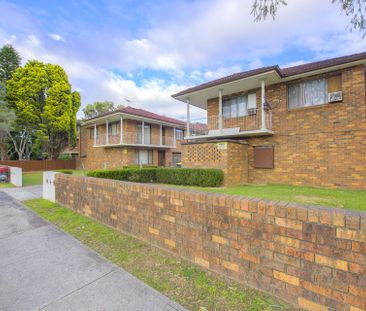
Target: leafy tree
{"type": "Point", "coordinates": [355, 9]}
{"type": "Point", "coordinates": [97, 108]}
{"type": "Point", "coordinates": [44, 103]}
{"type": "Point", "coordinates": [9, 61]}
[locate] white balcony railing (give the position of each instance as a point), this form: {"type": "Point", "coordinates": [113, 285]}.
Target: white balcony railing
{"type": "Point", "coordinates": [248, 123]}
{"type": "Point", "coordinates": [134, 138]}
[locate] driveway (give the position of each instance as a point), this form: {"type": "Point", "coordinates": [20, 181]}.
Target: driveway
{"type": "Point", "coordinates": [24, 193]}
{"type": "Point", "coordinates": [44, 268]}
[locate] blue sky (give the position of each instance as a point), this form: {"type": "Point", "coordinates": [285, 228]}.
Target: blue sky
{"type": "Point", "coordinates": [144, 51]}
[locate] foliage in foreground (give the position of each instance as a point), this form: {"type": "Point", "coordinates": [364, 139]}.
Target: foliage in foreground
{"type": "Point", "coordinates": [175, 176]}
{"type": "Point", "coordinates": [178, 279]}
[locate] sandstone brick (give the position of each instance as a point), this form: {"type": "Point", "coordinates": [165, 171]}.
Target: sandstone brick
{"type": "Point", "coordinates": [338, 219]}
{"type": "Point", "coordinates": [113, 216]}
{"type": "Point", "coordinates": [287, 241]}
{"type": "Point", "coordinates": [219, 239]}
{"type": "Point", "coordinates": [170, 243]}
{"type": "Point", "coordinates": [344, 233]}
{"type": "Point", "coordinates": [331, 262]}
{"type": "Point", "coordinates": [352, 308]}
{"type": "Point", "coordinates": [168, 218]}
{"type": "Point", "coordinates": [202, 262]}
{"type": "Point", "coordinates": [154, 231]}
{"type": "Point", "coordinates": [288, 223]}
{"type": "Point", "coordinates": [327, 292]}
{"type": "Point", "coordinates": [241, 214]}
{"type": "Point", "coordinates": [230, 265]}
{"type": "Point", "coordinates": [310, 305]}
{"type": "Point", "coordinates": [293, 280]}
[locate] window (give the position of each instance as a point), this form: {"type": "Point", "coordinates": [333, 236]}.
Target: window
{"type": "Point", "coordinates": [113, 129]}
{"type": "Point", "coordinates": [176, 159]}
{"type": "Point", "coordinates": [91, 132]}
{"type": "Point", "coordinates": [178, 134]}
{"type": "Point", "coordinates": [147, 134]}
{"type": "Point", "coordinates": [239, 106]}
{"type": "Point", "coordinates": [143, 157]}
{"type": "Point", "coordinates": [308, 93]}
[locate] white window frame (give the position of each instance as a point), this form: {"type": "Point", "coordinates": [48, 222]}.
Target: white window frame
{"type": "Point", "coordinates": [147, 154]}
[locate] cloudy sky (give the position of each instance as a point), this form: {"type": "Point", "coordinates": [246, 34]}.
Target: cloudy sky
{"type": "Point", "coordinates": [144, 51]}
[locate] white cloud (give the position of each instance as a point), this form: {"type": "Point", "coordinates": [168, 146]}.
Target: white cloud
{"type": "Point", "coordinates": [56, 37]}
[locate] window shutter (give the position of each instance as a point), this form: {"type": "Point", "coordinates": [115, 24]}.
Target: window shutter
{"type": "Point", "coordinates": [264, 157]}
{"type": "Point", "coordinates": [335, 84]}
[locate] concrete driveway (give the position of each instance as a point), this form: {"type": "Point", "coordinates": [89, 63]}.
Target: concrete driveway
{"type": "Point", "coordinates": [44, 268]}
{"type": "Point", "coordinates": [24, 193]}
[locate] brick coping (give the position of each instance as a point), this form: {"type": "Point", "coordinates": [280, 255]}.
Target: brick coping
{"type": "Point", "coordinates": [229, 196]}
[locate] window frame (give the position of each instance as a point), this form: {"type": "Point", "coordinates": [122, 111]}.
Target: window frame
{"type": "Point", "coordinates": [150, 159]}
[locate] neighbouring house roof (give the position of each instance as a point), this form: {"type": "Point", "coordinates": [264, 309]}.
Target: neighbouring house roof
{"type": "Point", "coordinates": [140, 113]}
{"type": "Point", "coordinates": [282, 73]}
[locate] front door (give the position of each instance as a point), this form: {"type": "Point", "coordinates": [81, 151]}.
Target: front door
{"type": "Point", "coordinates": [161, 158]}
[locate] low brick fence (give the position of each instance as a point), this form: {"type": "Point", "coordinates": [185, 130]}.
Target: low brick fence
{"type": "Point", "coordinates": [41, 165]}
{"type": "Point", "coordinates": [312, 257]}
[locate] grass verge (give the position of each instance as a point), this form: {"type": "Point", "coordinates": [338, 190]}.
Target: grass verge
{"type": "Point", "coordinates": [341, 198]}
{"type": "Point", "coordinates": [178, 279]}
{"type": "Point", "coordinates": [6, 185]}
{"type": "Point", "coordinates": [36, 178]}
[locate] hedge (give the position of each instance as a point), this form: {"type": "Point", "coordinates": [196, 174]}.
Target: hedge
{"type": "Point", "coordinates": [175, 176]}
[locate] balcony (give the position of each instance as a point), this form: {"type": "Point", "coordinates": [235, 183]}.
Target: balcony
{"type": "Point", "coordinates": [248, 125]}
{"type": "Point", "coordinates": [134, 139]}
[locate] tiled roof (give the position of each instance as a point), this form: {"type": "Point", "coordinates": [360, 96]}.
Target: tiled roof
{"type": "Point", "coordinates": [142, 113]}
{"type": "Point", "coordinates": [285, 72]}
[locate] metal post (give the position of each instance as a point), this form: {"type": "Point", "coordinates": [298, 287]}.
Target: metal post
{"type": "Point", "coordinates": [174, 138]}
{"type": "Point", "coordinates": [263, 99]}
{"type": "Point", "coordinates": [188, 119]}
{"type": "Point", "coordinates": [106, 132]}
{"type": "Point", "coordinates": [143, 132]}
{"type": "Point", "coordinates": [220, 111]}
{"type": "Point", "coordinates": [95, 134]}
{"type": "Point", "coordinates": [161, 135]}
{"type": "Point", "coordinates": [121, 132]}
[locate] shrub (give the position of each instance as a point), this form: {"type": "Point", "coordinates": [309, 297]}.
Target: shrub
{"type": "Point", "coordinates": [69, 172]}
{"type": "Point", "coordinates": [203, 177]}
{"type": "Point", "coordinates": [64, 156]}
{"type": "Point", "coordinates": [175, 176]}
{"type": "Point", "coordinates": [143, 166]}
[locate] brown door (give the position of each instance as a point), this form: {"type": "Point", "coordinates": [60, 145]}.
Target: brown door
{"type": "Point", "coordinates": [161, 158]}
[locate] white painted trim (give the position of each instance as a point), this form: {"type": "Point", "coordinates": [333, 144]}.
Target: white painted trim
{"type": "Point", "coordinates": [263, 100]}
{"type": "Point", "coordinates": [220, 110]}
{"type": "Point", "coordinates": [188, 118]}
{"type": "Point", "coordinates": [16, 176]}
{"type": "Point", "coordinates": [95, 134]}
{"type": "Point", "coordinates": [143, 133]}
{"type": "Point", "coordinates": [174, 138]}
{"type": "Point", "coordinates": [121, 131]}
{"type": "Point", "coordinates": [259, 132]}
{"type": "Point", "coordinates": [107, 131]}
{"type": "Point", "coordinates": [161, 135]}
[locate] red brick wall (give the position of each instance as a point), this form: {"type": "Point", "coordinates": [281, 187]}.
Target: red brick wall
{"type": "Point", "coordinates": [312, 257]}
{"type": "Point", "coordinates": [319, 146]}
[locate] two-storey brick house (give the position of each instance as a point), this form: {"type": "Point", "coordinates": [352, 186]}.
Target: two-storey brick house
{"type": "Point", "coordinates": [134, 137]}
{"type": "Point", "coordinates": [302, 125]}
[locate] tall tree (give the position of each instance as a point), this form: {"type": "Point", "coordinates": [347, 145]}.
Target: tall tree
{"type": "Point", "coordinates": [44, 102]}
{"type": "Point", "coordinates": [98, 108]}
{"type": "Point", "coordinates": [9, 61]}
{"type": "Point", "coordinates": [354, 9]}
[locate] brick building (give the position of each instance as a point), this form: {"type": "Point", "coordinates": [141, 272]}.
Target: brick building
{"type": "Point", "coordinates": [134, 137]}
{"type": "Point", "coordinates": [302, 125]}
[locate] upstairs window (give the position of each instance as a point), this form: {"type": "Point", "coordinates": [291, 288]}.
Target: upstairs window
{"type": "Point", "coordinates": [239, 106]}
{"type": "Point", "coordinates": [178, 134]}
{"type": "Point", "coordinates": [113, 128]}
{"type": "Point", "coordinates": [308, 93]}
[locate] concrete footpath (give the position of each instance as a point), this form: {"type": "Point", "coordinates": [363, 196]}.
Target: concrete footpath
{"type": "Point", "coordinates": [44, 268]}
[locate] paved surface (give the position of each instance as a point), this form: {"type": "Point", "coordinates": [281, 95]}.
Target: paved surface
{"type": "Point", "coordinates": [24, 193]}
{"type": "Point", "coordinates": [44, 268]}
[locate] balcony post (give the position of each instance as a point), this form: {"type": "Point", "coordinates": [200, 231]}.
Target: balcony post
{"type": "Point", "coordinates": [143, 133]}
{"type": "Point", "coordinates": [121, 132]}
{"type": "Point", "coordinates": [263, 100]}
{"type": "Point", "coordinates": [161, 135]}
{"type": "Point", "coordinates": [174, 138]}
{"type": "Point", "coordinates": [106, 132]}
{"type": "Point", "coordinates": [188, 119]}
{"type": "Point", "coordinates": [220, 111]}
{"type": "Point", "coordinates": [95, 134]}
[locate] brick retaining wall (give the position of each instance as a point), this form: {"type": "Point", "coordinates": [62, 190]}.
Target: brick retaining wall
{"type": "Point", "coordinates": [312, 257]}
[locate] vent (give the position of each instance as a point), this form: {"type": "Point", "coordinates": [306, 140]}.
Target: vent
{"type": "Point", "coordinates": [335, 97]}
{"type": "Point", "coordinates": [252, 111]}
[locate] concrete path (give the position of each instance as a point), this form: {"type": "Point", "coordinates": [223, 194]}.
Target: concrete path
{"type": "Point", "coordinates": [44, 268]}
{"type": "Point", "coordinates": [24, 193]}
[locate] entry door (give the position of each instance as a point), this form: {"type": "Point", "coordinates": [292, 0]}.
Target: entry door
{"type": "Point", "coordinates": [161, 158]}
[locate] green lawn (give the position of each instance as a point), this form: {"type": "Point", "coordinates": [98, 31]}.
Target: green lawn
{"type": "Point", "coordinates": [178, 279]}
{"type": "Point", "coordinates": [347, 199]}
{"type": "Point", "coordinates": [36, 178]}
{"type": "Point", "coordinates": [6, 185]}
